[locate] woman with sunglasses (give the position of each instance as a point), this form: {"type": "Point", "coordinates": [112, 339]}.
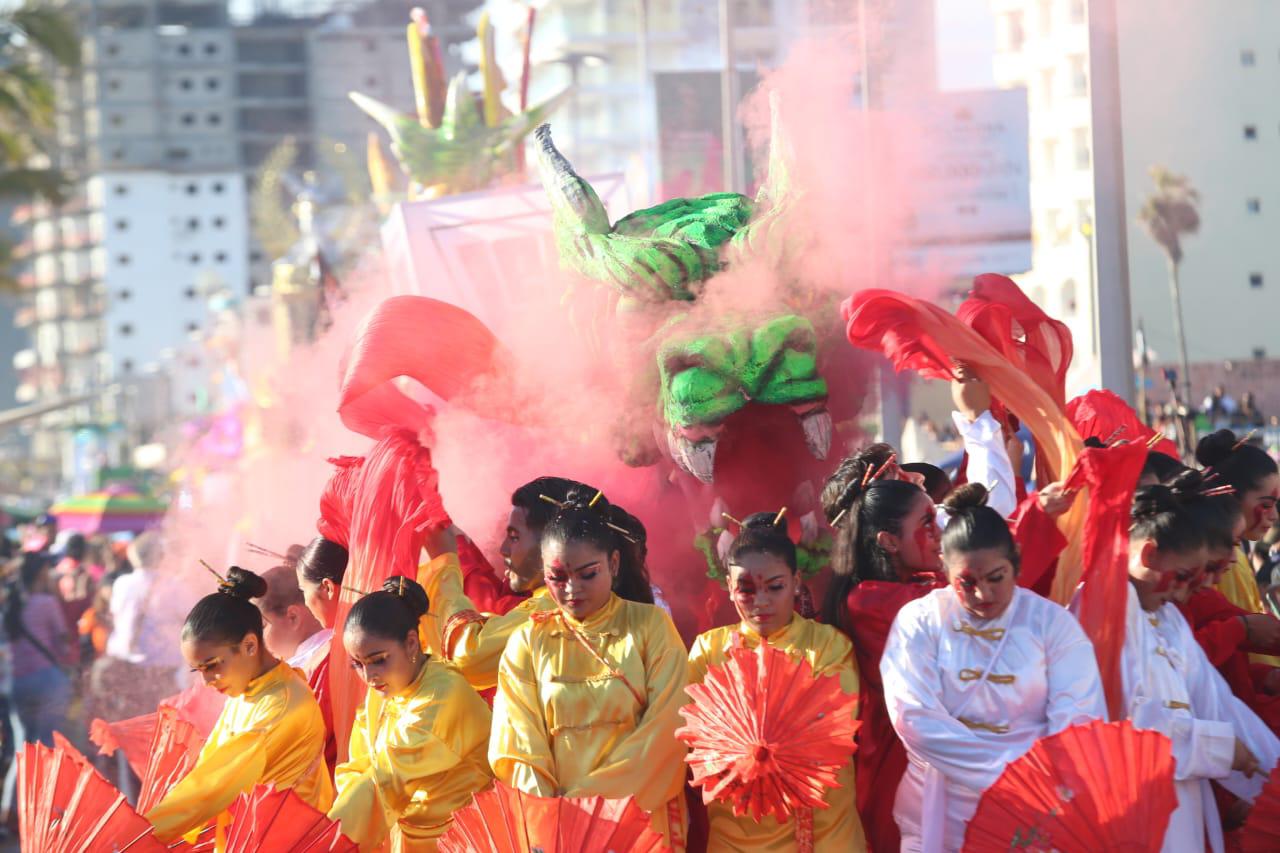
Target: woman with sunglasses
{"type": "Point", "coordinates": [270, 730]}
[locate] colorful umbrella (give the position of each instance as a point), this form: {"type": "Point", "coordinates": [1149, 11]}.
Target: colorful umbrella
{"type": "Point", "coordinates": [111, 511]}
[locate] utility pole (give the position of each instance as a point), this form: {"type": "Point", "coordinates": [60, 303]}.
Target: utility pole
{"type": "Point", "coordinates": [730, 149]}
{"type": "Point", "coordinates": [1110, 243]}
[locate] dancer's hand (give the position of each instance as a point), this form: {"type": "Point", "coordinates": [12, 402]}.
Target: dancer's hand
{"type": "Point", "coordinates": [1244, 761]}
{"type": "Point", "coordinates": [1055, 500]}
{"type": "Point", "coordinates": [441, 540]}
{"type": "Point", "coordinates": [970, 394]}
{"type": "Point", "coordinates": [1262, 631]}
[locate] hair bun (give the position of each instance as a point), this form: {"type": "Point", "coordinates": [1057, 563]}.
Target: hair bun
{"type": "Point", "coordinates": [1095, 442]}
{"type": "Point", "coordinates": [242, 583]}
{"type": "Point", "coordinates": [1150, 501]}
{"type": "Point", "coordinates": [1216, 447]}
{"type": "Point", "coordinates": [1189, 485]}
{"type": "Point", "coordinates": [968, 496]}
{"type": "Point", "coordinates": [410, 592]}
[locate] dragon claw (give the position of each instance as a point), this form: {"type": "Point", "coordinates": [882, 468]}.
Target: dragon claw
{"type": "Point", "coordinates": [817, 432]}
{"type": "Point", "coordinates": [694, 457]}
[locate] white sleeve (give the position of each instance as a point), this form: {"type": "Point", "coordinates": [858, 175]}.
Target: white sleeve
{"type": "Point", "coordinates": [988, 460]}
{"type": "Point", "coordinates": [912, 688]}
{"type": "Point", "coordinates": [1074, 686]}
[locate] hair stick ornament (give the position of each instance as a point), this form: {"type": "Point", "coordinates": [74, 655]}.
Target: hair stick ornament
{"type": "Point", "coordinates": [260, 551]}
{"type": "Point", "coordinates": [1218, 490]}
{"type": "Point", "coordinates": [621, 531]}
{"type": "Point", "coordinates": [1242, 442]}
{"type": "Point", "coordinates": [730, 518]}
{"type": "Point", "coordinates": [223, 583]}
{"type": "Point", "coordinates": [1155, 439]}
{"type": "Point", "coordinates": [1115, 434]}
{"type": "Point", "coordinates": [781, 515]}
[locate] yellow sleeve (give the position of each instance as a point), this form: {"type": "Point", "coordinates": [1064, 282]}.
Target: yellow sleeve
{"type": "Point", "coordinates": [835, 657]}
{"type": "Point", "coordinates": [442, 579]}
{"type": "Point", "coordinates": [1241, 589]}
{"type": "Point", "coordinates": [477, 650]}
{"type": "Point", "coordinates": [519, 744]}
{"type": "Point", "coordinates": [220, 775]}
{"type": "Point", "coordinates": [357, 806]}
{"type": "Point", "coordinates": [648, 763]}
{"type": "Point", "coordinates": [700, 658]}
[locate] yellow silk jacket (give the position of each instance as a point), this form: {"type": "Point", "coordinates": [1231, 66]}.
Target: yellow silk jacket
{"type": "Point", "coordinates": [829, 652]}
{"type": "Point", "coordinates": [1239, 586]}
{"type": "Point", "coordinates": [415, 759]}
{"type": "Point", "coordinates": [455, 630]}
{"type": "Point", "coordinates": [566, 724]}
{"type": "Point", "coordinates": [273, 734]}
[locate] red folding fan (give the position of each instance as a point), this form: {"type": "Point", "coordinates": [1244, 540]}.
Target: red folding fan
{"type": "Point", "coordinates": [766, 735]}
{"type": "Point", "coordinates": [1261, 832]}
{"type": "Point", "coordinates": [267, 819]}
{"type": "Point", "coordinates": [504, 820]}
{"type": "Point", "coordinates": [175, 746]}
{"type": "Point", "coordinates": [65, 806]}
{"type": "Point", "coordinates": [133, 736]}
{"type": "Point", "coordinates": [1097, 786]}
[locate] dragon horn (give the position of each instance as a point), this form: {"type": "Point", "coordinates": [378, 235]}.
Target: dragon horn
{"type": "Point", "coordinates": [387, 116]}
{"type": "Point", "coordinates": [571, 196]}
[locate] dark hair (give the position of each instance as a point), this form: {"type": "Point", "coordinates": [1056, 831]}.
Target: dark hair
{"type": "Point", "coordinates": [391, 612]}
{"type": "Point", "coordinates": [32, 566]}
{"type": "Point", "coordinates": [1159, 516]}
{"type": "Point", "coordinates": [1215, 514]}
{"type": "Point", "coordinates": [76, 546]}
{"type": "Point", "coordinates": [1236, 462]}
{"type": "Point", "coordinates": [323, 559]}
{"type": "Point", "coordinates": [936, 481]}
{"type": "Point", "coordinates": [1162, 466]}
{"type": "Point", "coordinates": [858, 514]}
{"type": "Point", "coordinates": [587, 516]}
{"type": "Point", "coordinates": [538, 513]}
{"type": "Point", "coordinates": [228, 615]}
{"type": "Point", "coordinates": [282, 590]}
{"type": "Point", "coordinates": [759, 535]}
{"type": "Point", "coordinates": [974, 526]}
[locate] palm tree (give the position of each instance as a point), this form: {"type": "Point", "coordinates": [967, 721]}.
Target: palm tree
{"type": "Point", "coordinates": [1168, 214]}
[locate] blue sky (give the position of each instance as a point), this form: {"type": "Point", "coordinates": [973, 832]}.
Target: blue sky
{"type": "Point", "coordinates": [966, 43]}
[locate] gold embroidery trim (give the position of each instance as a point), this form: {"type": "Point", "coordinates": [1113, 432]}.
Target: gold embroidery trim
{"type": "Point", "coordinates": [1177, 706]}
{"type": "Point", "coordinates": [994, 728]}
{"type": "Point", "coordinates": [994, 634]}
{"type": "Point", "coordinates": [975, 674]}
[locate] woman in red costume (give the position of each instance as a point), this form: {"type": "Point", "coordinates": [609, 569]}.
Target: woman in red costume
{"type": "Point", "coordinates": [888, 551]}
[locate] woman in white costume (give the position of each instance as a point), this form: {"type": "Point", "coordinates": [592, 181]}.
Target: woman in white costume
{"type": "Point", "coordinates": [1169, 684]}
{"type": "Point", "coordinates": [975, 673]}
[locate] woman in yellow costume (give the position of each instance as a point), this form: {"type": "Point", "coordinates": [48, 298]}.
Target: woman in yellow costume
{"type": "Point", "coordinates": [763, 582]}
{"type": "Point", "coordinates": [589, 693]}
{"type": "Point", "coordinates": [270, 730]}
{"type": "Point", "coordinates": [419, 740]}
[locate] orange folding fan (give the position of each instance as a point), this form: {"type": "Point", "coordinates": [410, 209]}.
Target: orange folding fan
{"type": "Point", "coordinates": [1261, 832]}
{"type": "Point", "coordinates": [504, 820]}
{"type": "Point", "coordinates": [65, 806]}
{"type": "Point", "coordinates": [175, 746]}
{"type": "Point", "coordinates": [767, 736]}
{"type": "Point", "coordinates": [265, 819]}
{"type": "Point", "coordinates": [1097, 786]}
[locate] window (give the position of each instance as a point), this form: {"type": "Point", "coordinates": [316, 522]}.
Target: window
{"type": "Point", "coordinates": [124, 260]}
{"type": "Point", "coordinates": [1069, 305]}
{"type": "Point", "coordinates": [218, 222]}
{"type": "Point", "coordinates": [122, 225]}
{"type": "Point", "coordinates": [1077, 11]}
{"type": "Point", "coordinates": [370, 46]}
{"type": "Point", "coordinates": [193, 327]}
{"type": "Point", "coordinates": [371, 82]}
{"type": "Point", "coordinates": [1014, 35]}
{"type": "Point", "coordinates": [117, 154]}
{"type": "Point", "coordinates": [113, 85]}
{"type": "Point", "coordinates": [115, 120]}
{"type": "Point", "coordinates": [193, 224]}
{"type": "Point", "coordinates": [178, 154]}
{"type": "Point", "coordinates": [1083, 214]}
{"type": "Point", "coordinates": [185, 84]}
{"type": "Point", "coordinates": [192, 189]}
{"type": "Point", "coordinates": [194, 257]}
{"type": "Point", "coordinates": [113, 49]}
{"type": "Point", "coordinates": [1254, 205]}
{"type": "Point", "coordinates": [214, 119]}
{"type": "Point", "coordinates": [184, 50]}
{"type": "Point", "coordinates": [1051, 155]}
{"type": "Point", "coordinates": [1259, 353]}
{"type": "Point", "coordinates": [1255, 280]}
{"type": "Point", "coordinates": [120, 189]}
{"type": "Point", "coordinates": [1046, 86]}
{"type": "Point", "coordinates": [125, 295]}
{"type": "Point", "coordinates": [217, 187]}
{"type": "Point", "coordinates": [188, 119]}
{"type": "Point", "coordinates": [220, 257]}
{"type": "Point", "coordinates": [1053, 226]}
{"type": "Point", "coordinates": [1250, 131]}
{"type": "Point", "coordinates": [127, 365]}
{"type": "Point", "coordinates": [189, 293]}
{"type": "Point", "coordinates": [212, 84]}
{"type": "Point", "coordinates": [1082, 147]}
{"type": "Point", "coordinates": [1247, 58]}
{"type": "Point", "coordinates": [1079, 76]}
{"type": "Point", "coordinates": [126, 329]}
{"type": "Point", "coordinates": [210, 49]}
{"type": "Point", "coordinates": [1045, 15]}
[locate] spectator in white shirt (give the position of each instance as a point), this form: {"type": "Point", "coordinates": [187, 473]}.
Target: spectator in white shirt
{"type": "Point", "coordinates": [142, 663]}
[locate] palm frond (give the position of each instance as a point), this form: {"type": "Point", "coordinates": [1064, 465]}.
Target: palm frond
{"type": "Point", "coordinates": [25, 183]}
{"type": "Point", "coordinates": [49, 30]}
